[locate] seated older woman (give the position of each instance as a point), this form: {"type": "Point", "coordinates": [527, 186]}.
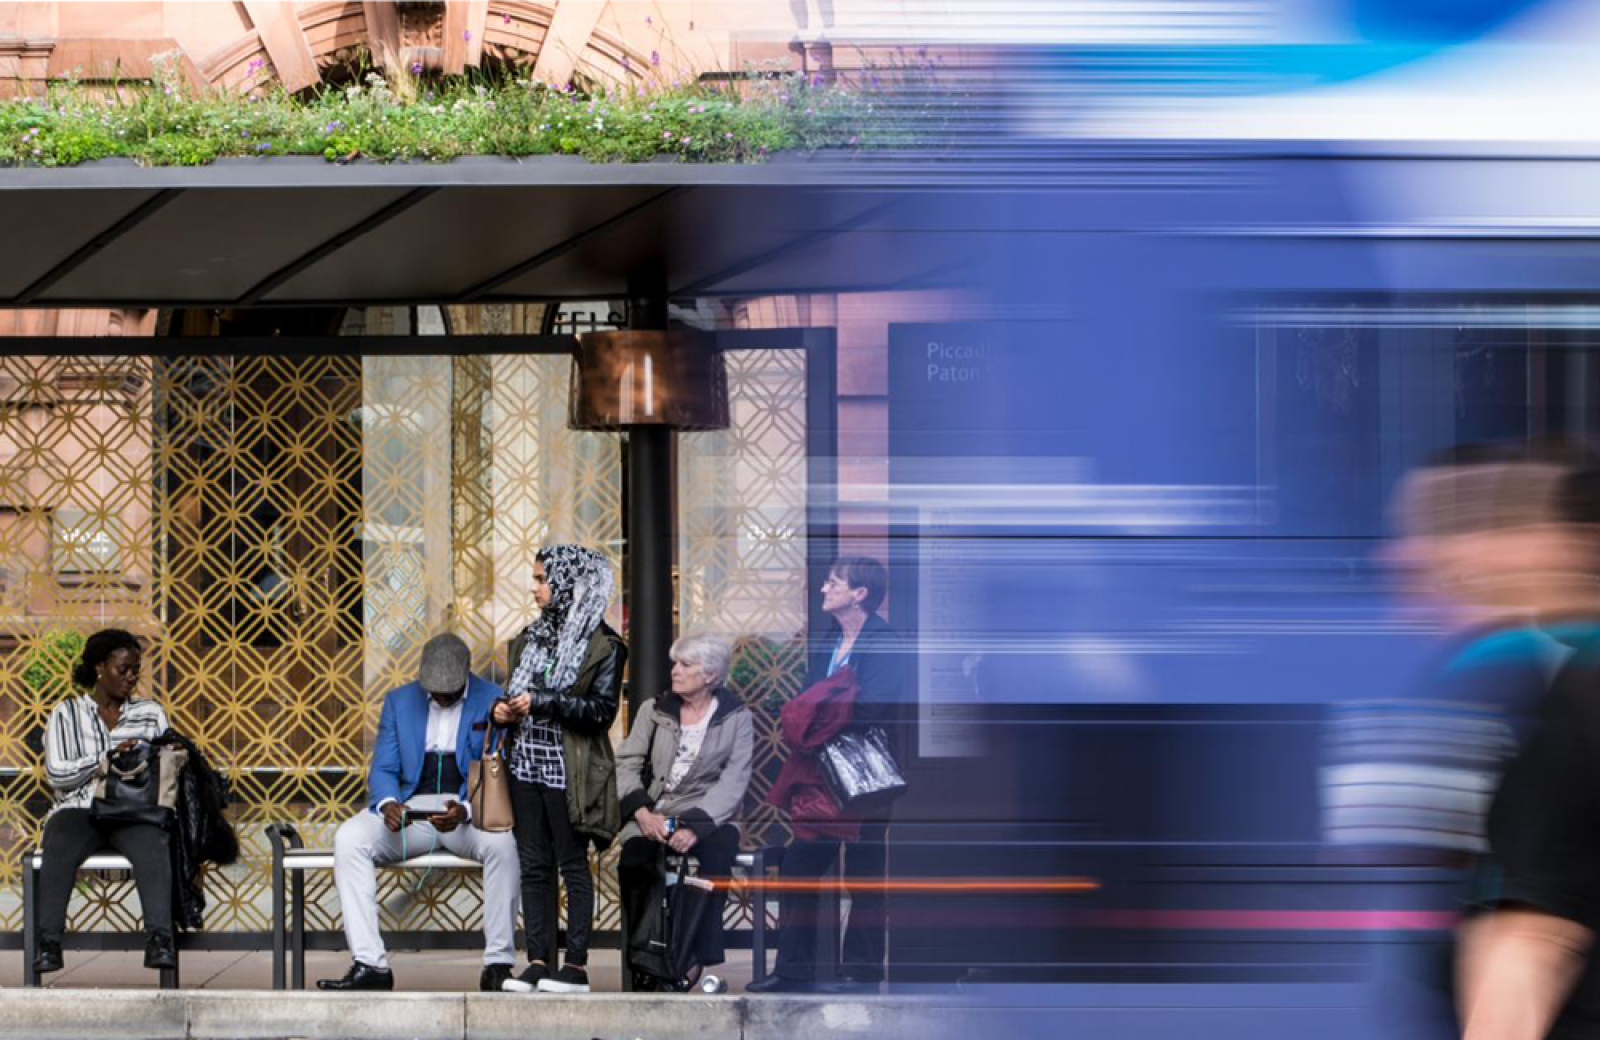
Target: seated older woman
{"type": "Point", "coordinates": [687, 758]}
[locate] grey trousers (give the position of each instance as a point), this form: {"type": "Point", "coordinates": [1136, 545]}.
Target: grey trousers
{"type": "Point", "coordinates": [363, 843]}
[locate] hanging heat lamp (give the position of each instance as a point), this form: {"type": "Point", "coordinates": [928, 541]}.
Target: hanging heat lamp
{"type": "Point", "coordinates": [645, 377]}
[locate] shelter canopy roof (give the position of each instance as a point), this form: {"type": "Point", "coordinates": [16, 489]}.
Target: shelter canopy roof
{"type": "Point", "coordinates": [302, 231]}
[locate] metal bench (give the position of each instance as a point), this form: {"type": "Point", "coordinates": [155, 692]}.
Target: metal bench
{"type": "Point", "coordinates": [32, 863]}
{"type": "Point", "coordinates": [291, 859]}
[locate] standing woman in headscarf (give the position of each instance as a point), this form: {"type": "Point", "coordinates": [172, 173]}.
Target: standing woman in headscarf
{"type": "Point", "coordinates": [561, 702]}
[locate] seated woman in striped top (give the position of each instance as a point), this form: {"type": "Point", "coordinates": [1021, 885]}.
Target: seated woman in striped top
{"type": "Point", "coordinates": [82, 734]}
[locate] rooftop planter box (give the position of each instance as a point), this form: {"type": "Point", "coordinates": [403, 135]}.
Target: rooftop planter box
{"type": "Point", "coordinates": [170, 124]}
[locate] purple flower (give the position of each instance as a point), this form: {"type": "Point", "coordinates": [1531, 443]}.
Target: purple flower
{"type": "Point", "coordinates": [666, 135]}
{"type": "Point", "coordinates": [257, 65]}
{"type": "Point", "coordinates": [244, 133]}
{"type": "Point", "coordinates": [655, 57]}
{"type": "Point", "coordinates": [416, 68]}
{"type": "Point", "coordinates": [264, 146]}
{"type": "Point", "coordinates": [853, 140]}
{"type": "Point", "coordinates": [728, 135]}
{"type": "Point", "coordinates": [508, 19]}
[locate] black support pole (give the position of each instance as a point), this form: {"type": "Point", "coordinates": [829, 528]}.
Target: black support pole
{"type": "Point", "coordinates": [649, 561]}
{"type": "Point", "coordinates": [650, 526]}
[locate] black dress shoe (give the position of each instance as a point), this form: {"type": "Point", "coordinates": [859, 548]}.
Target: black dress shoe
{"type": "Point", "coordinates": [48, 958]}
{"type": "Point", "coordinates": [160, 951]}
{"type": "Point", "coordinates": [780, 984]}
{"type": "Point", "coordinates": [493, 977]}
{"type": "Point", "coordinates": [360, 977]}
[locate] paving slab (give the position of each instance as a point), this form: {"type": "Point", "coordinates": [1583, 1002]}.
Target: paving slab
{"type": "Point", "coordinates": [224, 1015]}
{"type": "Point", "coordinates": [45, 1014]}
{"type": "Point", "coordinates": [611, 1017]}
{"type": "Point", "coordinates": [877, 1018]}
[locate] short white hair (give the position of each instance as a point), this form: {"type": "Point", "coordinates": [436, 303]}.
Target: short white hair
{"type": "Point", "coordinates": [709, 652]}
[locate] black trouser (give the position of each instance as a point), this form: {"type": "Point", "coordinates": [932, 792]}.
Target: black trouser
{"type": "Point", "coordinates": [637, 869]}
{"type": "Point", "coordinates": [547, 845]}
{"type": "Point", "coordinates": [800, 911]}
{"type": "Point", "coordinates": [70, 837]}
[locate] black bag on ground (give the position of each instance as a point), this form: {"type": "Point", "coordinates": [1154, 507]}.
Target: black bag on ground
{"type": "Point", "coordinates": [663, 944]}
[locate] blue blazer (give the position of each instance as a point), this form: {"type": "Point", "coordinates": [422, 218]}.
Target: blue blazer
{"type": "Point", "coordinates": [403, 737]}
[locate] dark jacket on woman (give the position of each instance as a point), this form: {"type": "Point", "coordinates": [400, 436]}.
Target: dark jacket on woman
{"type": "Point", "coordinates": [711, 793]}
{"type": "Point", "coordinates": [586, 710]}
{"type": "Point", "coordinates": [885, 681]}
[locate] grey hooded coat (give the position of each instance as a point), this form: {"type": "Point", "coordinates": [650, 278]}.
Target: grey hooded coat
{"type": "Point", "coordinates": [713, 790]}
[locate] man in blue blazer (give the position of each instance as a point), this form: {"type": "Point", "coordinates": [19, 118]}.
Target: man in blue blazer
{"type": "Point", "coordinates": [429, 733]}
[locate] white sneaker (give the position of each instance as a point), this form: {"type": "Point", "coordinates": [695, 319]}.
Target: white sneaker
{"type": "Point", "coordinates": [528, 981]}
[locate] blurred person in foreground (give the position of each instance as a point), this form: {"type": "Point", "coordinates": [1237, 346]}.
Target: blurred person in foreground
{"type": "Point", "coordinates": [1525, 968]}
{"type": "Point", "coordinates": [1410, 779]}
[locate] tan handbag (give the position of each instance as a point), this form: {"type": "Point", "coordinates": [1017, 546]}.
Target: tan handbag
{"type": "Point", "coordinates": [489, 786]}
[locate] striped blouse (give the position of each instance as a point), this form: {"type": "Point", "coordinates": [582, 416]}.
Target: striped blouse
{"type": "Point", "coordinates": [76, 742]}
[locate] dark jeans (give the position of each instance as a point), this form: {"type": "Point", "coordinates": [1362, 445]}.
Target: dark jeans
{"type": "Point", "coordinates": [70, 837]}
{"type": "Point", "coordinates": [547, 845]}
{"type": "Point", "coordinates": [639, 865]}
{"type": "Point", "coordinates": [800, 912]}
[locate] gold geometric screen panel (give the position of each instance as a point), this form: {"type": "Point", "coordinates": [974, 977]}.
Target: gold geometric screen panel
{"type": "Point", "coordinates": [260, 585]}
{"type": "Point", "coordinates": [742, 555]}
{"type": "Point", "coordinates": [468, 469]}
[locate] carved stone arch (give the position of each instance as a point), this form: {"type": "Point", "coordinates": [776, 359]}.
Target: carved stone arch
{"type": "Point", "coordinates": [610, 60]}
{"type": "Point", "coordinates": [515, 31]}
{"type": "Point", "coordinates": [335, 33]}
{"type": "Point", "coordinates": [511, 33]}
{"type": "Point", "coordinates": [241, 65]}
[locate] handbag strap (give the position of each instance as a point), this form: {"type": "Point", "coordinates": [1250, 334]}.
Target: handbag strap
{"type": "Point", "coordinates": [129, 774]}
{"type": "Point", "coordinates": [489, 748]}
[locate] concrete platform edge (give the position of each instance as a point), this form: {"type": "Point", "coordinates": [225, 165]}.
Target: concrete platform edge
{"type": "Point", "coordinates": [79, 1014]}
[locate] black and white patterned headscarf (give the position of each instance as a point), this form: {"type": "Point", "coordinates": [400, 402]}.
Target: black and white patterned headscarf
{"type": "Point", "coordinates": [580, 590]}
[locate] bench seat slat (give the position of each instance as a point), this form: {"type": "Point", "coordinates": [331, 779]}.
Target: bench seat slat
{"type": "Point", "coordinates": [99, 861]}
